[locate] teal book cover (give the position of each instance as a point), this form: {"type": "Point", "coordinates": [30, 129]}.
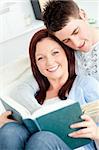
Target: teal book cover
{"type": "Point", "coordinates": [55, 118]}
{"type": "Point", "coordinates": [59, 122]}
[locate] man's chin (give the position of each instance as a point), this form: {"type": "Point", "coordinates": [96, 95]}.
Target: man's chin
{"type": "Point", "coordinates": [83, 50]}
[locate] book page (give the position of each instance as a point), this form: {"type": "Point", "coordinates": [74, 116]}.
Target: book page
{"type": "Point", "coordinates": [92, 109]}
{"type": "Point", "coordinates": [2, 109]}
{"type": "Point", "coordinates": [13, 106]}
{"type": "Point", "coordinates": [52, 107]}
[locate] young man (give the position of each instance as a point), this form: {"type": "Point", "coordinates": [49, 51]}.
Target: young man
{"type": "Point", "coordinates": [67, 22]}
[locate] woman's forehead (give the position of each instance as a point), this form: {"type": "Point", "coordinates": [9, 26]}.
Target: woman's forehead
{"type": "Point", "coordinates": [47, 44]}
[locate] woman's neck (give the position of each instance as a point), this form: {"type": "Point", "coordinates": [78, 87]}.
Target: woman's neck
{"type": "Point", "coordinates": [55, 86]}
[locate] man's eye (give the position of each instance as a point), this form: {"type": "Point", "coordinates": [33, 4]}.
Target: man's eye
{"type": "Point", "coordinates": [66, 41]}
{"type": "Point", "coordinates": [76, 32]}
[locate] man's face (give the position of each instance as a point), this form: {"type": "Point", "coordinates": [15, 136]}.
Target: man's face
{"type": "Point", "coordinates": [76, 34]}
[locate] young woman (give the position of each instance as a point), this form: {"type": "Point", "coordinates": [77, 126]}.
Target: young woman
{"type": "Point", "coordinates": [53, 66]}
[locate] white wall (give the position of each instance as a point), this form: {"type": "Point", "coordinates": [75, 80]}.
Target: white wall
{"type": "Point", "coordinates": [15, 47]}
{"type": "Point", "coordinates": [17, 25]}
{"type": "Point", "coordinates": [91, 8]}
{"type": "Point", "coordinates": [16, 16]}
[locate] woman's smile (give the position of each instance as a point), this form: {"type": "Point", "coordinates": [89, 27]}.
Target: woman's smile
{"type": "Point", "coordinates": [53, 69]}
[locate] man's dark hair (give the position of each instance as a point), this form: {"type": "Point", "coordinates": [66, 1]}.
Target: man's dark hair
{"type": "Point", "coordinates": [57, 13]}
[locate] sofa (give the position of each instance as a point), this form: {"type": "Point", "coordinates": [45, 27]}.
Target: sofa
{"type": "Point", "coordinates": [12, 75]}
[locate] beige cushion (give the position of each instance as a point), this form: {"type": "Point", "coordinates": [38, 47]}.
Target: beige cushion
{"type": "Point", "coordinates": [13, 74]}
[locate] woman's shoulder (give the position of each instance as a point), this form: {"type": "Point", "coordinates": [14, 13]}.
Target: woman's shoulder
{"type": "Point", "coordinates": [82, 80]}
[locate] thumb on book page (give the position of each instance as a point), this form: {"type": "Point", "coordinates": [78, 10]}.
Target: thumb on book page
{"type": "Point", "coordinates": [7, 113]}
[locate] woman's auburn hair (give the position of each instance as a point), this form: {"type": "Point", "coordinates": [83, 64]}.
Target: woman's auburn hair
{"type": "Point", "coordinates": [42, 81]}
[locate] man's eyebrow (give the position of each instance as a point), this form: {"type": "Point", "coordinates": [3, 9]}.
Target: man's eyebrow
{"type": "Point", "coordinates": [71, 34]}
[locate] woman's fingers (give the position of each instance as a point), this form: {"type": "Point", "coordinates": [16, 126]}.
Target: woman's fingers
{"type": "Point", "coordinates": [81, 133]}
{"type": "Point", "coordinates": [7, 113]}
{"type": "Point", "coordinates": [4, 118]}
{"type": "Point", "coordinates": [86, 123]}
{"type": "Point", "coordinates": [80, 125]}
{"type": "Point", "coordinates": [88, 128]}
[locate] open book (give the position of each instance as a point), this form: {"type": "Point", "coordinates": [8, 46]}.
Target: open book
{"type": "Point", "coordinates": [55, 118]}
{"type": "Point", "coordinates": [92, 109]}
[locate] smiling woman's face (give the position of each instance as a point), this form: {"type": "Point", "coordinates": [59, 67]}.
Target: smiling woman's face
{"type": "Point", "coordinates": [51, 59]}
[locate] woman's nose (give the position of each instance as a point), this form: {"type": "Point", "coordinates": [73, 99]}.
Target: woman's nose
{"type": "Point", "coordinates": [50, 61]}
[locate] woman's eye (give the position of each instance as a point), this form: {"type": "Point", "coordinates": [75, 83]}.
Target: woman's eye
{"type": "Point", "coordinates": [40, 58]}
{"type": "Point", "coordinates": [56, 52]}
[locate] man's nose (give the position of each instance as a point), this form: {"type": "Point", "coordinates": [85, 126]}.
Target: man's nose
{"type": "Point", "coordinates": [76, 41]}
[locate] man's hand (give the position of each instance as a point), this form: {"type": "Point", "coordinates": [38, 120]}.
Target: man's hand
{"type": "Point", "coordinates": [4, 118]}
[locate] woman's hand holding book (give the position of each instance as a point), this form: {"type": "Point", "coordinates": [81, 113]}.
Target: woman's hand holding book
{"type": "Point", "coordinates": [4, 118]}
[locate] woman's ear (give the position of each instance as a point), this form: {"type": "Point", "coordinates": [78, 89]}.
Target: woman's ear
{"type": "Point", "coordinates": [82, 14]}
